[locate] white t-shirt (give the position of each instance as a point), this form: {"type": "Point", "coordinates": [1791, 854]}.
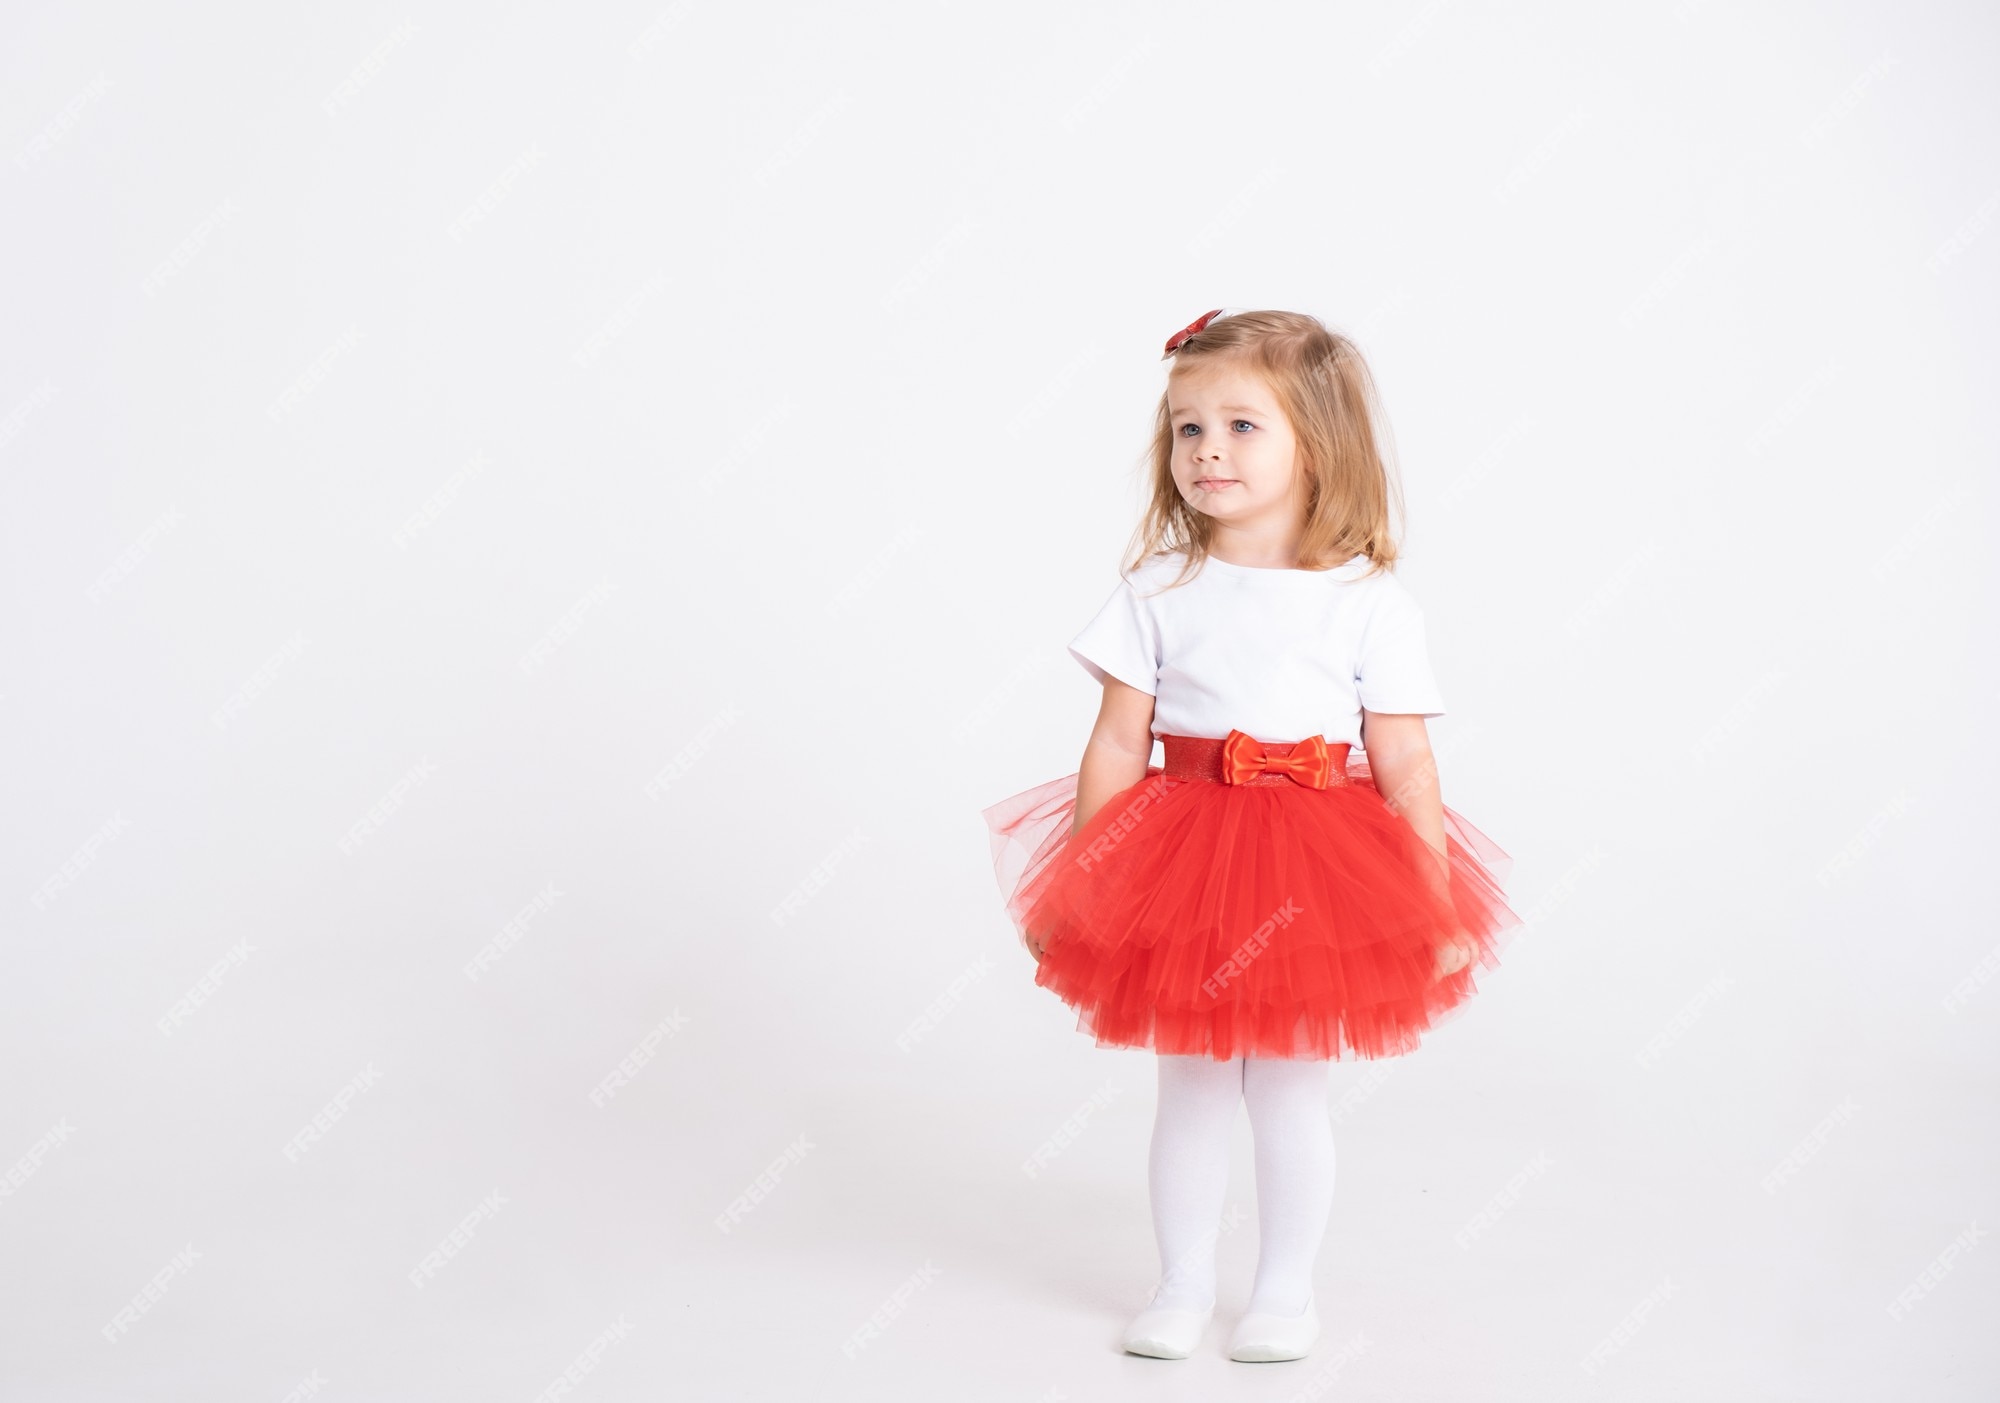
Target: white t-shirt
{"type": "Point", "coordinates": [1277, 654]}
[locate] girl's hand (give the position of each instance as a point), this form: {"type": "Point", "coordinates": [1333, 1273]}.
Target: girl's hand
{"type": "Point", "coordinates": [1451, 957]}
{"type": "Point", "coordinates": [1034, 943]}
{"type": "Point", "coordinates": [1453, 954]}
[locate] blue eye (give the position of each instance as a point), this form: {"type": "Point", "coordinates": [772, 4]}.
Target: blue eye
{"type": "Point", "coordinates": [1197, 428]}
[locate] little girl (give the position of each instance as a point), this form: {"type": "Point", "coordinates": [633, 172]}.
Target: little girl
{"type": "Point", "coordinates": [1265, 899]}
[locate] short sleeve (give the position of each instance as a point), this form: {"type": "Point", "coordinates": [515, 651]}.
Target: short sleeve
{"type": "Point", "coordinates": [1393, 673]}
{"type": "Point", "coordinates": [1123, 641]}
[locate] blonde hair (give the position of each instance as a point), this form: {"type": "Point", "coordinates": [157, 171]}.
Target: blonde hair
{"type": "Point", "coordinates": [1323, 387]}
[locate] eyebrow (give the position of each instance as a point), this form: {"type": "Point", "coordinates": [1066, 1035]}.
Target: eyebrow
{"type": "Point", "coordinates": [1241, 408]}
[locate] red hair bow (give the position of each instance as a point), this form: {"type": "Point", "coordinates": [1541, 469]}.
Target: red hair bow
{"type": "Point", "coordinates": [1309, 763]}
{"type": "Point", "coordinates": [1180, 338]}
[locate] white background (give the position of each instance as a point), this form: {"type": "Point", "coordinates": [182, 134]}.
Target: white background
{"type": "Point", "coordinates": [611, 486]}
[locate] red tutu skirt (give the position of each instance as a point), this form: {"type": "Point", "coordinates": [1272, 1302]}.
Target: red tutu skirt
{"type": "Point", "coordinates": [1227, 905]}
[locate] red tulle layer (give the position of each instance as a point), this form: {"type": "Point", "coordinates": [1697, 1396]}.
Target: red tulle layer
{"type": "Point", "coordinates": [1266, 920]}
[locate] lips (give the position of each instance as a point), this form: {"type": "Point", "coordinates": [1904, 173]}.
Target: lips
{"type": "Point", "coordinates": [1214, 484]}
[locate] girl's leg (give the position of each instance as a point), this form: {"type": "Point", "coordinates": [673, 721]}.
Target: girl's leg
{"type": "Point", "coordinates": [1188, 1173]}
{"type": "Point", "coordinates": [1294, 1148]}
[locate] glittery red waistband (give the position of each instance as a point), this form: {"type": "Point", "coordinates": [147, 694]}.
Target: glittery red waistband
{"type": "Point", "coordinates": [1200, 757]}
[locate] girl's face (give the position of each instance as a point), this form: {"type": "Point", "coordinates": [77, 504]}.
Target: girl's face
{"type": "Point", "coordinates": [1235, 457]}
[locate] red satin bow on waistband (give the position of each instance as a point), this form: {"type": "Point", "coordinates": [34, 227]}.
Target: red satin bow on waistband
{"type": "Point", "coordinates": [1309, 763]}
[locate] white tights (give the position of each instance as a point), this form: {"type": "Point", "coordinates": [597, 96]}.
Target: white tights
{"type": "Point", "coordinates": [1188, 1173]}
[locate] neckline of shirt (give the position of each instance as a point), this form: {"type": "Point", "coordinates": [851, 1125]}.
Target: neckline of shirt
{"type": "Point", "coordinates": [1353, 562]}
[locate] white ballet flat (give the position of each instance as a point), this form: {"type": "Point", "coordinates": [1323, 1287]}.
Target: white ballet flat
{"type": "Point", "coordinates": [1262, 1338]}
{"type": "Point", "coordinates": [1166, 1332]}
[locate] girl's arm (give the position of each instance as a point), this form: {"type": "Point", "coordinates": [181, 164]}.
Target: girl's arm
{"type": "Point", "coordinates": [1405, 771]}
{"type": "Point", "coordinates": [1119, 749]}
{"type": "Point", "coordinates": [1400, 759]}
{"type": "Point", "coordinates": [1115, 758]}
